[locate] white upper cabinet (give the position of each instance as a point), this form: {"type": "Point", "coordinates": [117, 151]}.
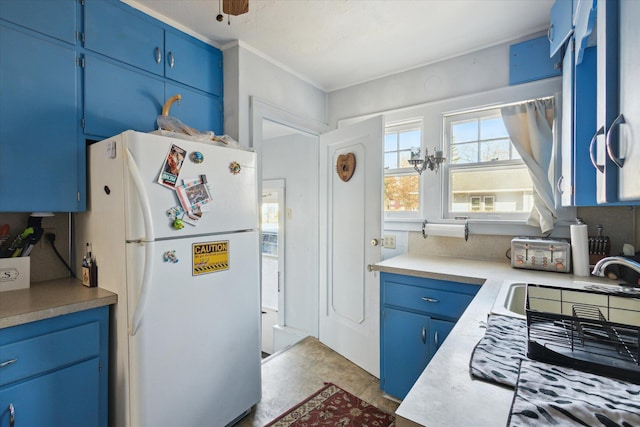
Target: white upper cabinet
{"type": "Point", "coordinates": [628, 153]}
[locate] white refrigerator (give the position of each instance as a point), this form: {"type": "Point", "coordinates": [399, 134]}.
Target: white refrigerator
{"type": "Point", "coordinates": [185, 332]}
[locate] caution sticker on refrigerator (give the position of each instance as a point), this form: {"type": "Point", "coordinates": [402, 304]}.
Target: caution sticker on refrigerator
{"type": "Point", "coordinates": [210, 257]}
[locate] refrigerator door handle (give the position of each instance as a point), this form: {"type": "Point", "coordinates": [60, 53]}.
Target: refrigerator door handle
{"type": "Point", "coordinates": [145, 205]}
{"type": "Point", "coordinates": [150, 236]}
{"type": "Point", "coordinates": [144, 289]}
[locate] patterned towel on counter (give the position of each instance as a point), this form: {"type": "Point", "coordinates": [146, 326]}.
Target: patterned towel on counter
{"type": "Point", "coordinates": [553, 395]}
{"type": "Point", "coordinates": [496, 358]}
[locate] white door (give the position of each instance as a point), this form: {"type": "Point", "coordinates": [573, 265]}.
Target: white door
{"type": "Point", "coordinates": [350, 229]}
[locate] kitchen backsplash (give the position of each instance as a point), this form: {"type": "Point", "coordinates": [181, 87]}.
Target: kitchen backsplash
{"type": "Point", "coordinates": [619, 224]}
{"type": "Point", "coordinates": [45, 265]}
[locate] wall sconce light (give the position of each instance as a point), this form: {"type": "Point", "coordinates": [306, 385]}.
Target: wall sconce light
{"type": "Point", "coordinates": [431, 161]}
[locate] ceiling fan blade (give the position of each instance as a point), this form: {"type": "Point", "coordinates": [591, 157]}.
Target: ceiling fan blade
{"type": "Point", "coordinates": [235, 7]}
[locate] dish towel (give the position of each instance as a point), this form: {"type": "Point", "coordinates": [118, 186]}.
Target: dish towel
{"type": "Point", "coordinates": [552, 395]}
{"type": "Point", "coordinates": [496, 358]}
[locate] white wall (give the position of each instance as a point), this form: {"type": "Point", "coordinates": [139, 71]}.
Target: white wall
{"type": "Point", "coordinates": [247, 74]}
{"type": "Point", "coordinates": [301, 227]}
{"type": "Point", "coordinates": [475, 72]}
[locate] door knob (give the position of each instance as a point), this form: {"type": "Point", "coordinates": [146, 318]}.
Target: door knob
{"type": "Point", "coordinates": [375, 242]}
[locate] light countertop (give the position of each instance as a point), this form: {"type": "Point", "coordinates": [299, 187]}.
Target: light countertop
{"type": "Point", "coordinates": [44, 300]}
{"type": "Point", "coordinates": [445, 394]}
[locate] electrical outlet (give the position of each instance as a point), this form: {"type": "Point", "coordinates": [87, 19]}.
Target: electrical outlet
{"type": "Point", "coordinates": [43, 241]}
{"type": "Point", "coordinates": [389, 241]}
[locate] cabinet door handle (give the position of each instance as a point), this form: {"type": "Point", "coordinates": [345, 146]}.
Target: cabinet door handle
{"type": "Point", "coordinates": [158, 55]}
{"type": "Point", "coordinates": [617, 160]}
{"type": "Point", "coordinates": [550, 33]}
{"type": "Point", "coordinates": [594, 162]}
{"type": "Point", "coordinates": [12, 415]}
{"type": "Point", "coordinates": [435, 339]}
{"type": "Point", "coordinates": [8, 362]}
{"type": "Point", "coordinates": [172, 60]}
{"type": "Point", "coordinates": [560, 184]}
{"type": "Point", "coordinates": [427, 299]}
{"type": "Point", "coordinates": [424, 335]}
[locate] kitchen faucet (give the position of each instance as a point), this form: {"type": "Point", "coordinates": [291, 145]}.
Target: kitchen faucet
{"type": "Point", "coordinates": [598, 269]}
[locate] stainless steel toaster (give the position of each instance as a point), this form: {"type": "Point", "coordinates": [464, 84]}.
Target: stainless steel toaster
{"type": "Point", "coordinates": [538, 253]}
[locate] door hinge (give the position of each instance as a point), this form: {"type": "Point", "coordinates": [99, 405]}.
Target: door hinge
{"type": "Point", "coordinates": [82, 123]}
{"type": "Point", "coordinates": [99, 366]}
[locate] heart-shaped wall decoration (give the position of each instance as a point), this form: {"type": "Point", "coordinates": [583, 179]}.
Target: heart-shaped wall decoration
{"type": "Point", "coordinates": [346, 166]}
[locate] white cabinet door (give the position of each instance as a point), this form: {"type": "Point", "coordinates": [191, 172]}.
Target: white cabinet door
{"type": "Point", "coordinates": [629, 131]}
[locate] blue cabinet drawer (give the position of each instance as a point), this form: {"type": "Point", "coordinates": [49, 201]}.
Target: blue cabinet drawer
{"type": "Point", "coordinates": [33, 356]}
{"type": "Point", "coordinates": [426, 300]}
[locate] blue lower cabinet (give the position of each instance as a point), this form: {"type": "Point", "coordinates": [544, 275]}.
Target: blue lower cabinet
{"type": "Point", "coordinates": [417, 314]}
{"type": "Point", "coordinates": [54, 372]}
{"type": "Point", "coordinates": [405, 351]}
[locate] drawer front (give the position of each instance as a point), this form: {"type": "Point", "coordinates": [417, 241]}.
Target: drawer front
{"type": "Point", "coordinates": [33, 356]}
{"type": "Point", "coordinates": [426, 300]}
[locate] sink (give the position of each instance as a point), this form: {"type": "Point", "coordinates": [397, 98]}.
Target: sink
{"type": "Point", "coordinates": [510, 300]}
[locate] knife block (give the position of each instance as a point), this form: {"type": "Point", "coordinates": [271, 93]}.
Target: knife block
{"type": "Point", "coordinates": [599, 247]}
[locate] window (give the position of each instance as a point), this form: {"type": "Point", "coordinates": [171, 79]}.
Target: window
{"type": "Point", "coordinates": [486, 176]}
{"type": "Point", "coordinates": [401, 182]}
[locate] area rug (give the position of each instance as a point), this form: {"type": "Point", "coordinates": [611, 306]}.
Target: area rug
{"type": "Point", "coordinates": [333, 406]}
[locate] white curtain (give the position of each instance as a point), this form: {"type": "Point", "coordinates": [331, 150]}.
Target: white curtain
{"type": "Point", "coordinates": [530, 126]}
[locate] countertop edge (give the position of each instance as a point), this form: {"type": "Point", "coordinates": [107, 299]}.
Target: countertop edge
{"type": "Point", "coordinates": [45, 300]}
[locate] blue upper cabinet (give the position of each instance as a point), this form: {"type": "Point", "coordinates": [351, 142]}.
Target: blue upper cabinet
{"type": "Point", "coordinates": [52, 18]}
{"type": "Point", "coordinates": [561, 25]}
{"type": "Point", "coordinates": [42, 160]}
{"type": "Point", "coordinates": [190, 108]}
{"type": "Point", "coordinates": [126, 35]}
{"type": "Point", "coordinates": [121, 34]}
{"type": "Point", "coordinates": [529, 61]}
{"type": "Point", "coordinates": [193, 63]}
{"type": "Point", "coordinates": [134, 63]}
{"type": "Point", "coordinates": [117, 98]}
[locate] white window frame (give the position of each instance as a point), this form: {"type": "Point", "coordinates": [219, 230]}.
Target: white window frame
{"type": "Point", "coordinates": [397, 127]}
{"type": "Point", "coordinates": [475, 113]}
{"type": "Point", "coordinates": [431, 184]}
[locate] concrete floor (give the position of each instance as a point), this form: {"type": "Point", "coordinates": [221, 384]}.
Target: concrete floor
{"type": "Point", "coordinates": [289, 376]}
